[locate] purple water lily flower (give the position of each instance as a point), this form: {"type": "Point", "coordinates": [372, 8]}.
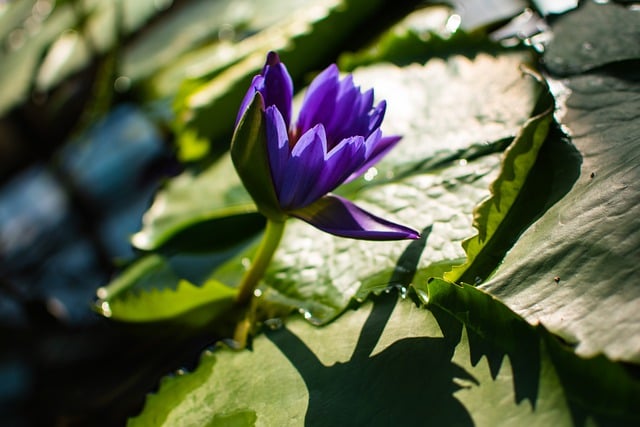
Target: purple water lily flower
{"type": "Point", "coordinates": [336, 139]}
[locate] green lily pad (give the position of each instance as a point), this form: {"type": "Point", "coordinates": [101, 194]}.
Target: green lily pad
{"type": "Point", "coordinates": [437, 110]}
{"type": "Point", "coordinates": [431, 32]}
{"type": "Point", "coordinates": [575, 269]}
{"type": "Point", "coordinates": [388, 362]}
{"type": "Point", "coordinates": [594, 387]}
{"type": "Point", "coordinates": [320, 273]}
{"type": "Point", "coordinates": [496, 216]}
{"type": "Point", "coordinates": [152, 290]}
{"type": "Point", "coordinates": [591, 36]}
{"type": "Point", "coordinates": [196, 39]}
{"type": "Point", "coordinates": [206, 212]}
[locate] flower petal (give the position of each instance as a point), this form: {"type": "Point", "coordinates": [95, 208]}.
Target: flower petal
{"type": "Point", "coordinates": [301, 171]}
{"type": "Point", "coordinates": [257, 85]}
{"type": "Point", "coordinates": [376, 116]}
{"type": "Point", "coordinates": [377, 148]}
{"type": "Point", "coordinates": [278, 86]}
{"type": "Point", "coordinates": [338, 164]}
{"type": "Point", "coordinates": [277, 144]}
{"type": "Point", "coordinates": [340, 217]}
{"type": "Point", "coordinates": [275, 86]}
{"type": "Point", "coordinates": [319, 101]}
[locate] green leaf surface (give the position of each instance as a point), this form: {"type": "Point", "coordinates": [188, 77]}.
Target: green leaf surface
{"type": "Point", "coordinates": [199, 40]}
{"type": "Point", "coordinates": [575, 270]}
{"type": "Point", "coordinates": [424, 34]}
{"type": "Point", "coordinates": [387, 363]}
{"type": "Point", "coordinates": [593, 386]}
{"type": "Point", "coordinates": [494, 217]}
{"type": "Point", "coordinates": [154, 289]}
{"type": "Point", "coordinates": [206, 212]}
{"type": "Point", "coordinates": [437, 110]}
{"type": "Point", "coordinates": [592, 36]}
{"type": "Point", "coordinates": [320, 273]}
{"type": "Point", "coordinates": [48, 42]}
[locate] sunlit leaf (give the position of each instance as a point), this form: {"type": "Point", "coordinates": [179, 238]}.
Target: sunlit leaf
{"type": "Point", "coordinates": [575, 270]}
{"type": "Point", "coordinates": [594, 387]}
{"type": "Point", "coordinates": [200, 213]}
{"type": "Point", "coordinates": [152, 291]}
{"type": "Point", "coordinates": [494, 217]}
{"type": "Point", "coordinates": [387, 363]}
{"type": "Point", "coordinates": [591, 36]}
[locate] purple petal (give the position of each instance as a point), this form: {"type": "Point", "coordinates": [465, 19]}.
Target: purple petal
{"type": "Point", "coordinates": [377, 115]}
{"type": "Point", "coordinates": [278, 86]}
{"type": "Point", "coordinates": [319, 101]}
{"type": "Point", "coordinates": [377, 148]}
{"type": "Point", "coordinates": [256, 86]}
{"type": "Point", "coordinates": [275, 86]}
{"type": "Point", "coordinates": [339, 163]}
{"type": "Point", "coordinates": [277, 144]}
{"type": "Point", "coordinates": [300, 174]}
{"type": "Point", "coordinates": [340, 217]}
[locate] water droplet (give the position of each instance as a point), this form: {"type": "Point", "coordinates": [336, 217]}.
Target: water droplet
{"type": "Point", "coordinates": [226, 33]}
{"type": "Point", "coordinates": [402, 290]}
{"type": "Point", "coordinates": [16, 39]}
{"type": "Point", "coordinates": [462, 162]}
{"type": "Point", "coordinates": [586, 46]}
{"type": "Point", "coordinates": [232, 344]}
{"type": "Point", "coordinates": [274, 324]}
{"type": "Point", "coordinates": [257, 293]}
{"type": "Point", "coordinates": [423, 295]}
{"type": "Point", "coordinates": [102, 293]}
{"type": "Point", "coordinates": [453, 23]}
{"type": "Point", "coordinates": [307, 315]}
{"type": "Point", "coordinates": [105, 309]}
{"type": "Point", "coordinates": [370, 174]}
{"type": "Point", "coordinates": [246, 263]}
{"type": "Point", "coordinates": [122, 84]}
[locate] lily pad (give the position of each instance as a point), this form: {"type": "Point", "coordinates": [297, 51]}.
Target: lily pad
{"type": "Point", "coordinates": [388, 362]}
{"type": "Point", "coordinates": [154, 289]}
{"type": "Point", "coordinates": [593, 35]}
{"type": "Point", "coordinates": [320, 273]}
{"type": "Point", "coordinates": [437, 110]}
{"type": "Point", "coordinates": [575, 270]}
{"type": "Point", "coordinates": [205, 212]}
{"type": "Point", "coordinates": [498, 215]}
{"type": "Point", "coordinates": [593, 386]}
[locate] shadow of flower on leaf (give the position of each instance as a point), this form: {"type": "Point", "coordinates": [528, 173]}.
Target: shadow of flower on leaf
{"type": "Point", "coordinates": [411, 382]}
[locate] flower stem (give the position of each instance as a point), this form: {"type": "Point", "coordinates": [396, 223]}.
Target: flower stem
{"type": "Point", "coordinates": [270, 241]}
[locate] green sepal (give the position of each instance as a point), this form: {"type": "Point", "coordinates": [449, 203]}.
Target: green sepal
{"type": "Point", "coordinates": [251, 159]}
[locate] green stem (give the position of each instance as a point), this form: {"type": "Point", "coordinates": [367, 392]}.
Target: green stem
{"type": "Point", "coordinates": [270, 241]}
